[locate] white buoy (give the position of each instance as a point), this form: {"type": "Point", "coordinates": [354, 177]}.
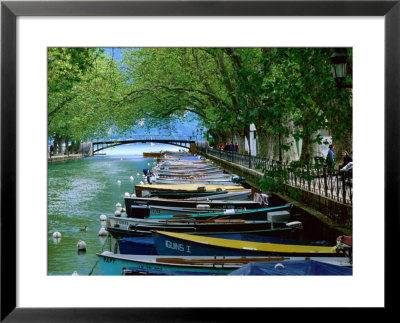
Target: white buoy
{"type": "Point", "coordinates": [131, 178]}
{"type": "Point", "coordinates": [148, 164]}
{"type": "Point", "coordinates": [127, 194]}
{"type": "Point", "coordinates": [118, 206]}
{"type": "Point", "coordinates": [103, 217]}
{"type": "Point", "coordinates": [137, 174]}
{"type": "Point", "coordinates": [123, 210]}
{"type": "Point", "coordinates": [103, 232]}
{"type": "Point", "coordinates": [141, 182]}
{"type": "Point", "coordinates": [117, 213]}
{"type": "Point", "coordinates": [133, 195]}
{"type": "Point", "coordinates": [81, 245]}
{"type": "Point", "coordinates": [119, 182]}
{"type": "Point", "coordinates": [56, 235]}
{"type": "Point", "coordinates": [75, 273]}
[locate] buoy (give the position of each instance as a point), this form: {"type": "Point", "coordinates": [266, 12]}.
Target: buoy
{"type": "Point", "coordinates": [75, 273]}
{"type": "Point", "coordinates": [131, 178]}
{"type": "Point", "coordinates": [133, 195]}
{"type": "Point", "coordinates": [81, 245]}
{"type": "Point", "coordinates": [127, 194]}
{"type": "Point", "coordinates": [148, 164]}
{"type": "Point", "coordinates": [118, 206]}
{"type": "Point", "coordinates": [56, 235]}
{"type": "Point", "coordinates": [137, 174]}
{"type": "Point", "coordinates": [103, 217]}
{"type": "Point", "coordinates": [117, 213]}
{"type": "Point", "coordinates": [103, 232]}
{"type": "Point", "coordinates": [123, 210]}
{"type": "Point", "coordinates": [119, 182]}
{"type": "Point", "coordinates": [141, 182]}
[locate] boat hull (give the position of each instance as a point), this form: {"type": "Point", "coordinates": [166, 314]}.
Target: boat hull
{"type": "Point", "coordinates": [165, 212]}
{"type": "Point", "coordinates": [216, 204]}
{"type": "Point", "coordinates": [114, 264]}
{"type": "Point", "coordinates": [146, 246]}
{"type": "Point", "coordinates": [185, 245]}
{"type": "Point", "coordinates": [125, 227]}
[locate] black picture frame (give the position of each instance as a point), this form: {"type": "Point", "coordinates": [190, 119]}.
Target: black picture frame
{"type": "Point", "coordinates": [10, 10]}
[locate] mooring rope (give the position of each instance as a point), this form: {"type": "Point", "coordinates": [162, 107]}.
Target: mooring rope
{"type": "Point", "coordinates": [102, 249]}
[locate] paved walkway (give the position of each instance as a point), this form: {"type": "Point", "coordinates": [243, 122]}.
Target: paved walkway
{"type": "Point", "coordinates": [61, 158]}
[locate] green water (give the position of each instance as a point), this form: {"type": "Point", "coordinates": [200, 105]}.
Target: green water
{"type": "Point", "coordinates": [79, 191]}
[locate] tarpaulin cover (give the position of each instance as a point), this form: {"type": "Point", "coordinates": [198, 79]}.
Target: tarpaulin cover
{"type": "Point", "coordinates": [293, 268]}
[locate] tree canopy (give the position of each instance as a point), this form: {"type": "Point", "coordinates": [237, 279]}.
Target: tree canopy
{"type": "Point", "coordinates": [288, 93]}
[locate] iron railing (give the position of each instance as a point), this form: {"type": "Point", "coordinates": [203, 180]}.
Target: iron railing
{"type": "Point", "coordinates": [318, 180]}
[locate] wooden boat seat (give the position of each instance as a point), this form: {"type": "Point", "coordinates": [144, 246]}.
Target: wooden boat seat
{"type": "Point", "coordinates": [229, 221]}
{"type": "Point", "coordinates": [241, 260]}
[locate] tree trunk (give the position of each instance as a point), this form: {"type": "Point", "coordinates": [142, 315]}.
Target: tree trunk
{"type": "Point", "coordinates": [310, 148]}
{"type": "Point", "coordinates": [269, 147]}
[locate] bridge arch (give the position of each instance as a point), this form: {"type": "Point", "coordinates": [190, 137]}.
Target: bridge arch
{"type": "Point", "coordinates": [104, 144]}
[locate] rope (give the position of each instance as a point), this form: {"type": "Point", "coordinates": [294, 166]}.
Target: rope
{"type": "Point", "coordinates": [90, 273]}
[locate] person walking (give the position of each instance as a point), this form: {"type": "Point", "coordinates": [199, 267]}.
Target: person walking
{"type": "Point", "coordinates": [330, 159]}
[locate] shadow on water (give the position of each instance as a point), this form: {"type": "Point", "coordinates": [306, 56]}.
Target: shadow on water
{"type": "Point", "coordinates": [313, 228]}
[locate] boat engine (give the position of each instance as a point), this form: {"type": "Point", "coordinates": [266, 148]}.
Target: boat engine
{"type": "Point", "coordinates": [345, 244]}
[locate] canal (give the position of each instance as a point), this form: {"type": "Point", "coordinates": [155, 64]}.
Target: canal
{"type": "Point", "coordinates": [79, 191]}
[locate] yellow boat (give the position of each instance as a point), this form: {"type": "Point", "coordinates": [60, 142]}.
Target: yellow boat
{"type": "Point", "coordinates": [178, 189]}
{"type": "Point", "coordinates": [189, 244]}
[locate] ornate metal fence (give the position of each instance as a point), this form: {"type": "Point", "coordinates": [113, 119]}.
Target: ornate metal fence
{"type": "Point", "coordinates": [336, 186]}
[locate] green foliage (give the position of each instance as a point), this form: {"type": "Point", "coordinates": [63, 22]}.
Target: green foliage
{"type": "Point", "coordinates": [285, 92]}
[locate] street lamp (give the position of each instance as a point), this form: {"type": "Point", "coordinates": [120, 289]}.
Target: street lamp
{"type": "Point", "coordinates": [339, 61]}
{"type": "Point", "coordinates": [201, 139]}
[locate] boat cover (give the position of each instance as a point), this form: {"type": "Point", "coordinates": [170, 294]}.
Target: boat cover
{"type": "Point", "coordinates": [293, 268]}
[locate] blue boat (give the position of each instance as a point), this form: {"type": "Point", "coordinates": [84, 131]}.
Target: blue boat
{"type": "Point", "coordinates": [293, 268]}
{"type": "Point", "coordinates": [117, 264]}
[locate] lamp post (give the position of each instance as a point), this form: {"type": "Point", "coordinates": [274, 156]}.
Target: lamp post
{"type": "Point", "coordinates": [201, 139]}
{"type": "Point", "coordinates": [339, 61]}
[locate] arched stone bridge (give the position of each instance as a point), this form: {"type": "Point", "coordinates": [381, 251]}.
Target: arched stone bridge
{"type": "Point", "coordinates": [180, 141]}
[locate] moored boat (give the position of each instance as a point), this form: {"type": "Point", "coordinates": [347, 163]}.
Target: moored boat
{"type": "Point", "coordinates": [230, 201]}
{"type": "Point", "coordinates": [173, 243]}
{"type": "Point", "coordinates": [187, 189]}
{"type": "Point", "coordinates": [146, 246]}
{"type": "Point", "coordinates": [131, 227]}
{"type": "Point", "coordinates": [167, 212]}
{"type": "Point", "coordinates": [115, 264]}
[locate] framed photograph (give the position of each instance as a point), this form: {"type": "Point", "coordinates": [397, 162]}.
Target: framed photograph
{"type": "Point", "coordinates": [30, 291]}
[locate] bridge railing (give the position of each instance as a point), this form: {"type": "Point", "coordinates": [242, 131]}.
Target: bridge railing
{"type": "Point", "coordinates": [147, 138]}
{"type": "Point", "coordinates": [336, 186]}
